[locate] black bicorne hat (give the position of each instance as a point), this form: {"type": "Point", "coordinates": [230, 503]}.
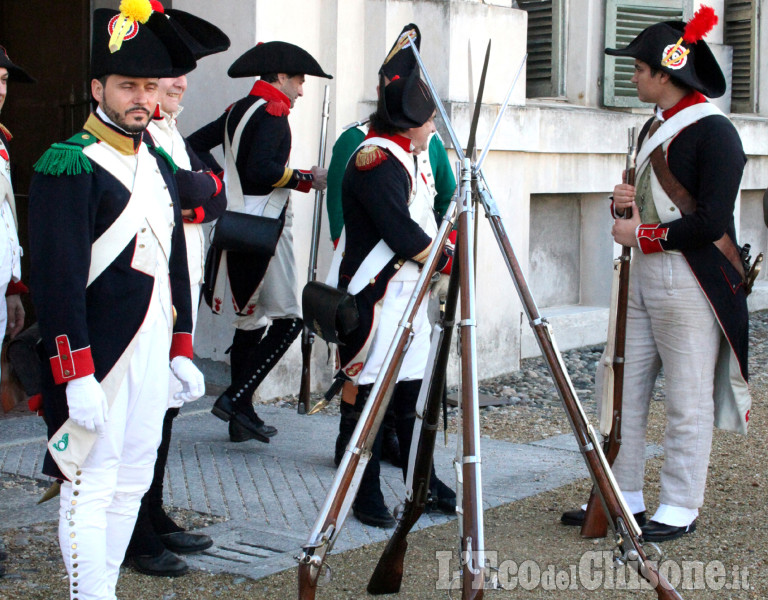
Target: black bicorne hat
{"type": "Point", "coordinates": [150, 49]}
{"type": "Point", "coordinates": [15, 72]}
{"type": "Point", "coordinates": [276, 57]}
{"type": "Point", "coordinates": [202, 37]}
{"type": "Point", "coordinates": [693, 64]}
{"type": "Point", "coordinates": [406, 102]}
{"type": "Point", "coordinates": [401, 61]}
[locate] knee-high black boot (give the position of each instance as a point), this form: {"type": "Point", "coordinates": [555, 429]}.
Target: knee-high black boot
{"type": "Point", "coordinates": [441, 497]}
{"type": "Point", "coordinates": [369, 506]}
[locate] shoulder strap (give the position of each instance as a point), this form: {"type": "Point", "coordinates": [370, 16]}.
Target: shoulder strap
{"type": "Point", "coordinates": [235, 199]}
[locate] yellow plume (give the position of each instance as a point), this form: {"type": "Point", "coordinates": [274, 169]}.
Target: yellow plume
{"type": "Point", "coordinates": [130, 11]}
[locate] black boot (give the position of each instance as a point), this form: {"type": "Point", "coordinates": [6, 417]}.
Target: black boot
{"type": "Point", "coordinates": [369, 507]}
{"type": "Point", "coordinates": [347, 424]}
{"type": "Point", "coordinates": [244, 343]}
{"type": "Point", "coordinates": [441, 498]}
{"type": "Point", "coordinates": [260, 362]}
{"type": "Point", "coordinates": [390, 448]}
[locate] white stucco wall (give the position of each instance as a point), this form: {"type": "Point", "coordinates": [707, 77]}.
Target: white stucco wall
{"type": "Point", "coordinates": [568, 150]}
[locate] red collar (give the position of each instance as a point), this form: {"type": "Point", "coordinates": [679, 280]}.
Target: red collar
{"type": "Point", "coordinates": [278, 104]}
{"type": "Point", "coordinates": [693, 98]}
{"type": "Point", "coordinates": [400, 140]}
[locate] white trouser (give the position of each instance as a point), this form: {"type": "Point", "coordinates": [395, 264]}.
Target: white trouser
{"type": "Point", "coordinates": [415, 360]}
{"type": "Point", "coordinates": [669, 323]}
{"type": "Point", "coordinates": [98, 509]}
{"type": "Point", "coordinates": [3, 310]}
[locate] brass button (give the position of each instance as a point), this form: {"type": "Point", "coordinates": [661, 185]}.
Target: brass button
{"type": "Point", "coordinates": [671, 209]}
{"type": "Point", "coordinates": [143, 229]}
{"type": "Point", "coordinates": [64, 357]}
{"type": "Point", "coordinates": [75, 493]}
{"type": "Point", "coordinates": [373, 281]}
{"type": "Point", "coordinates": [78, 472]}
{"type": "Point", "coordinates": [397, 266]}
{"type": "Point", "coordinates": [67, 372]}
{"type": "Point", "coordinates": [141, 245]}
{"type": "Point", "coordinates": [72, 534]}
{"type": "Point", "coordinates": [74, 547]}
{"type": "Point", "coordinates": [77, 482]}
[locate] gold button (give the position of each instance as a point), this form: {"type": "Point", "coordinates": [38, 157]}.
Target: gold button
{"type": "Point", "coordinates": [74, 502]}
{"type": "Point", "coordinates": [64, 357]}
{"type": "Point", "coordinates": [373, 281]}
{"type": "Point", "coordinates": [72, 534]}
{"type": "Point", "coordinates": [143, 229]}
{"type": "Point", "coordinates": [74, 556]}
{"type": "Point", "coordinates": [61, 341]}
{"type": "Point", "coordinates": [77, 482]}
{"type": "Point", "coordinates": [397, 266]}
{"type": "Point", "coordinates": [78, 472]}
{"type": "Point", "coordinates": [74, 547]}
{"type": "Point", "coordinates": [141, 246]}
{"type": "Point", "coordinates": [67, 372]}
{"type": "Point", "coordinates": [71, 523]}
{"type": "Point", "coordinates": [75, 493]}
{"type": "Point", "coordinates": [671, 209]}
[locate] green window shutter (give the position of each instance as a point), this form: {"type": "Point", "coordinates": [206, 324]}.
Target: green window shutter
{"type": "Point", "coordinates": [741, 34]}
{"type": "Point", "coordinates": [544, 69]}
{"type": "Point", "coordinates": [624, 19]}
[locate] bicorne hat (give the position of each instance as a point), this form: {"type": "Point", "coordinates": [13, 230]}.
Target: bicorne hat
{"type": "Point", "coordinates": [400, 60]}
{"type": "Point", "coordinates": [15, 72]}
{"type": "Point", "coordinates": [406, 102]}
{"type": "Point", "coordinates": [677, 48]}
{"type": "Point", "coordinates": [276, 57]}
{"type": "Point", "coordinates": [137, 42]}
{"type": "Point", "coordinates": [202, 37]}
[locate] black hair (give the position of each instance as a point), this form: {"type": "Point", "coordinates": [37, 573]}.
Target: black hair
{"type": "Point", "coordinates": [380, 124]}
{"type": "Point", "coordinates": [273, 77]}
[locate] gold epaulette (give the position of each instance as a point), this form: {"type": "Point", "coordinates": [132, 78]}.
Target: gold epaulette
{"type": "Point", "coordinates": [5, 132]}
{"type": "Point", "coordinates": [370, 157]}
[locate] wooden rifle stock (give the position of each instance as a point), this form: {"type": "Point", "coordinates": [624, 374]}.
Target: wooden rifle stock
{"type": "Point", "coordinates": [388, 575]}
{"type": "Point", "coordinates": [595, 521]}
{"type": "Point", "coordinates": [307, 337]}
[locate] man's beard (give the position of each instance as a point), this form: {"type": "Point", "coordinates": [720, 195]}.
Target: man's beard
{"type": "Point", "coordinates": [121, 120]}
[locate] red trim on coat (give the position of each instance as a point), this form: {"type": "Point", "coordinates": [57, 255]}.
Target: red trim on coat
{"type": "Point", "coordinates": [693, 98]}
{"type": "Point", "coordinates": [199, 215]}
{"type": "Point", "coordinates": [181, 345]}
{"type": "Point", "coordinates": [305, 180]}
{"type": "Point", "coordinates": [70, 364]}
{"type": "Point", "coordinates": [217, 181]}
{"type": "Point", "coordinates": [649, 238]}
{"type": "Point", "coordinates": [400, 140]}
{"type": "Point", "coordinates": [16, 287]}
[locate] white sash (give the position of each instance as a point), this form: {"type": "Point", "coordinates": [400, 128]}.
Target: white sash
{"type": "Point", "coordinates": [143, 187]}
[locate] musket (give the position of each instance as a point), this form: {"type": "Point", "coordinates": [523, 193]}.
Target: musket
{"type": "Point", "coordinates": [595, 523]}
{"type": "Point", "coordinates": [627, 533]}
{"type": "Point", "coordinates": [307, 337]}
{"type": "Point", "coordinates": [388, 574]}
{"type": "Point", "coordinates": [312, 560]}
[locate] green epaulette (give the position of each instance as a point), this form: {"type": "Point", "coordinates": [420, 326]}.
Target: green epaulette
{"type": "Point", "coordinates": [166, 156]}
{"type": "Point", "coordinates": [67, 158]}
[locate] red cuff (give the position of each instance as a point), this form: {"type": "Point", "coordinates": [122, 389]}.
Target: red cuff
{"type": "Point", "coordinates": [305, 180]}
{"type": "Point", "coordinates": [218, 184]}
{"type": "Point", "coordinates": [181, 345]}
{"type": "Point", "coordinates": [16, 287]}
{"type": "Point", "coordinates": [70, 364]}
{"type": "Point", "coordinates": [649, 238]}
{"type": "Point", "coordinates": [199, 215]}
{"type": "Point", "coordinates": [35, 404]}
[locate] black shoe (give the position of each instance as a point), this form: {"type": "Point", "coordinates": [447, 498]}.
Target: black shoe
{"type": "Point", "coordinates": [441, 498]}
{"type": "Point", "coordinates": [374, 516]}
{"type": "Point", "coordinates": [575, 518]}
{"type": "Point", "coordinates": [223, 408]}
{"type": "Point", "coordinates": [165, 565]}
{"type": "Point", "coordinates": [242, 433]}
{"type": "Point", "coordinates": [661, 532]}
{"type": "Point", "coordinates": [182, 542]}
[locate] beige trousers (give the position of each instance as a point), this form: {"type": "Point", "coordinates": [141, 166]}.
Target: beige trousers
{"type": "Point", "coordinates": [671, 324]}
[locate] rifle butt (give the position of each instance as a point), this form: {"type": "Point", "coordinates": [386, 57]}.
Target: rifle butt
{"type": "Point", "coordinates": [387, 577]}
{"type": "Point", "coordinates": [306, 382]}
{"type": "Point", "coordinates": [595, 522]}
{"type": "Point", "coordinates": [307, 587]}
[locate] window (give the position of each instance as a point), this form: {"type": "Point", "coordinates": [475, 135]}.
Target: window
{"type": "Point", "coordinates": [741, 34]}
{"type": "Point", "coordinates": [624, 19]}
{"type": "Point", "coordinates": [545, 69]}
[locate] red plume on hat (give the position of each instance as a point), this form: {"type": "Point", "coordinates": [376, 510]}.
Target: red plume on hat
{"type": "Point", "coordinates": [700, 25]}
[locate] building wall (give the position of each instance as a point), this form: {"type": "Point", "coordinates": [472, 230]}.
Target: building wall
{"type": "Point", "coordinates": [553, 162]}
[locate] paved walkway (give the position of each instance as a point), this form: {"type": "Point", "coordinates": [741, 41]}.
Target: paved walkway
{"type": "Point", "coordinates": [270, 494]}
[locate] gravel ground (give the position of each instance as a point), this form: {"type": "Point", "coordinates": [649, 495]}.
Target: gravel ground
{"type": "Point", "coordinates": [537, 557]}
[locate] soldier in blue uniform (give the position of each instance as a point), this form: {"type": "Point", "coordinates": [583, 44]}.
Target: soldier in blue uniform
{"type": "Point", "coordinates": [256, 137]}
{"type": "Point", "coordinates": [111, 289]}
{"type": "Point", "coordinates": [687, 308]}
{"type": "Point", "coordinates": [389, 227]}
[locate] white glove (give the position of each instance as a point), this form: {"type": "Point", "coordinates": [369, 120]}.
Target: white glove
{"type": "Point", "coordinates": [87, 403]}
{"type": "Point", "coordinates": [192, 380]}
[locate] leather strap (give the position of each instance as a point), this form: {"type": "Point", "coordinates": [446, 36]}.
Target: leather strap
{"type": "Point", "coordinates": [684, 201]}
